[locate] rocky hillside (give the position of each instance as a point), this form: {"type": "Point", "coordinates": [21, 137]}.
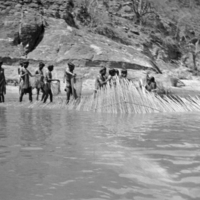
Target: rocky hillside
{"type": "Point", "coordinates": [91, 32]}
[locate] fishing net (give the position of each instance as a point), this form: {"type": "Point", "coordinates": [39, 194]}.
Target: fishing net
{"type": "Point", "coordinates": [33, 82]}
{"type": "Point", "coordinates": [55, 87]}
{"type": "Point", "coordinates": [78, 85]}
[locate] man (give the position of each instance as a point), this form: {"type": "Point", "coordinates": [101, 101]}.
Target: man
{"type": "Point", "coordinates": [2, 83]}
{"type": "Point", "coordinates": [69, 78]}
{"type": "Point", "coordinates": [112, 77]}
{"type": "Point", "coordinates": [101, 80]}
{"type": "Point", "coordinates": [39, 80]}
{"type": "Point", "coordinates": [151, 85]}
{"type": "Point", "coordinates": [143, 82]}
{"type": "Point", "coordinates": [124, 73]}
{"type": "Point", "coordinates": [47, 85]}
{"type": "Point", "coordinates": [25, 86]}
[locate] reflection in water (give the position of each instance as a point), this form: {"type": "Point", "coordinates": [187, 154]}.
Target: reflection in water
{"type": "Point", "coordinates": [3, 123]}
{"type": "Point", "coordinates": [49, 154]}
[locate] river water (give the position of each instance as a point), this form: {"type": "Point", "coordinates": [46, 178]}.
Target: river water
{"type": "Point", "coordinates": [61, 155]}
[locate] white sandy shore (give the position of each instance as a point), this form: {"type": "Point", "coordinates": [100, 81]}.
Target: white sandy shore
{"type": "Point", "coordinates": [87, 76]}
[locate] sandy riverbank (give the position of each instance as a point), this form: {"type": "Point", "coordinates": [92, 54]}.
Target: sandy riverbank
{"type": "Point", "coordinates": [87, 76]}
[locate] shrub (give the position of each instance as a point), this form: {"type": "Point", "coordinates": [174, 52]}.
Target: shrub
{"type": "Point", "coordinates": [113, 34]}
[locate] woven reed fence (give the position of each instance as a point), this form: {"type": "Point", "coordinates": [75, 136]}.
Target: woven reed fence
{"type": "Point", "coordinates": [125, 97]}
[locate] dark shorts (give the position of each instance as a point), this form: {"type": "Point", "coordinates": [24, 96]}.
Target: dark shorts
{"type": "Point", "coordinates": [2, 89]}
{"type": "Point", "coordinates": [27, 90]}
{"type": "Point", "coordinates": [68, 89]}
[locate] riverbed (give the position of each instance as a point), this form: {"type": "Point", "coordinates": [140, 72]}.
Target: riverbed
{"type": "Point", "coordinates": [58, 154]}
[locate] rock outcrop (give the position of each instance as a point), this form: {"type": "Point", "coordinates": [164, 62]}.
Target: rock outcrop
{"type": "Point", "coordinates": [47, 30]}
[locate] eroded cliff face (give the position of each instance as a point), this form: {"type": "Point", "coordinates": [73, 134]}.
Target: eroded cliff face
{"type": "Point", "coordinates": [23, 23]}
{"type": "Point", "coordinates": [49, 30]}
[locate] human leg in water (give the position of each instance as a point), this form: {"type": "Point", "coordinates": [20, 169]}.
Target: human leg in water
{"type": "Point", "coordinates": [51, 96]}
{"type": "Point", "coordinates": [48, 93]}
{"type": "Point", "coordinates": [43, 93]}
{"type": "Point", "coordinates": [68, 93]}
{"type": "Point", "coordinates": [43, 96]}
{"type": "Point", "coordinates": [21, 95]}
{"type": "Point", "coordinates": [30, 95]}
{"type": "Point", "coordinates": [46, 97]}
{"type": "Point", "coordinates": [2, 98]}
{"type": "Point", "coordinates": [38, 93]}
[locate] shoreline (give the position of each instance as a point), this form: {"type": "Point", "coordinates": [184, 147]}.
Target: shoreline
{"type": "Point", "coordinates": [191, 87]}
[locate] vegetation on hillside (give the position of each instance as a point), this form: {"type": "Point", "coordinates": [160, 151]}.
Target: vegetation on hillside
{"type": "Point", "coordinates": [169, 28]}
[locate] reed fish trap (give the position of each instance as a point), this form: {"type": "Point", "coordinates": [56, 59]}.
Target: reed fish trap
{"type": "Point", "coordinates": [126, 97]}
{"type": "Point", "coordinates": [55, 88]}
{"type": "Point", "coordinates": [78, 83]}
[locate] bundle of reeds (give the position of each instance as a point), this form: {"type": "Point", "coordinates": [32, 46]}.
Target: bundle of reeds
{"type": "Point", "coordinates": [55, 87]}
{"type": "Point", "coordinates": [125, 97]}
{"type": "Point", "coordinates": [78, 85]}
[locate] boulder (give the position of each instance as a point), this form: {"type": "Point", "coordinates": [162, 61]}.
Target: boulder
{"type": "Point", "coordinates": [62, 43]}
{"type": "Point", "coordinates": [46, 31]}
{"type": "Point", "coordinates": [30, 31]}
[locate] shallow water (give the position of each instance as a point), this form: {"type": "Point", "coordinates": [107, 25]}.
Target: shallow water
{"type": "Point", "coordinates": [58, 155]}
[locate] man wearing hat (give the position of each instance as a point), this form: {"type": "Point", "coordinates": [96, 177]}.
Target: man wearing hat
{"type": "Point", "coordinates": [69, 78]}
{"type": "Point", "coordinates": [47, 86]}
{"type": "Point", "coordinates": [124, 73]}
{"type": "Point", "coordinates": [39, 80]}
{"type": "Point", "coordinates": [25, 86]}
{"type": "Point", "coordinates": [101, 79]}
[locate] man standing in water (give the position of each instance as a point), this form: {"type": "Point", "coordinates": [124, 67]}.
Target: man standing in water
{"type": "Point", "coordinates": [69, 78]}
{"type": "Point", "coordinates": [39, 80]}
{"type": "Point", "coordinates": [25, 86]}
{"type": "Point", "coordinates": [2, 83]}
{"type": "Point", "coordinates": [112, 77]}
{"type": "Point", "coordinates": [47, 85]}
{"type": "Point", "coordinates": [101, 80]}
{"type": "Point", "coordinates": [124, 73]}
{"type": "Point", "coordinates": [151, 85]}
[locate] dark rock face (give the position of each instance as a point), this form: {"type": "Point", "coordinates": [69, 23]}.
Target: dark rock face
{"type": "Point", "coordinates": [31, 31]}
{"type": "Point", "coordinates": [23, 23]}
{"type": "Point", "coordinates": [46, 30]}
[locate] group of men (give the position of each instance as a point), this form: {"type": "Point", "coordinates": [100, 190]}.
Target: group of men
{"type": "Point", "coordinates": [43, 81]}
{"type": "Point", "coordinates": [102, 79]}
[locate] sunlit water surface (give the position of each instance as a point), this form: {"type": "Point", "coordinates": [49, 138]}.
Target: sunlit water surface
{"type": "Point", "coordinates": [62, 155]}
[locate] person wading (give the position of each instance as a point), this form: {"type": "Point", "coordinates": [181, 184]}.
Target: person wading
{"type": "Point", "coordinates": [25, 86]}
{"type": "Point", "coordinates": [151, 85]}
{"type": "Point", "coordinates": [124, 73]}
{"type": "Point", "coordinates": [47, 86]}
{"type": "Point", "coordinates": [69, 78]}
{"type": "Point", "coordinates": [101, 80]}
{"type": "Point", "coordinates": [39, 80]}
{"type": "Point", "coordinates": [112, 78]}
{"type": "Point", "coordinates": [2, 83]}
